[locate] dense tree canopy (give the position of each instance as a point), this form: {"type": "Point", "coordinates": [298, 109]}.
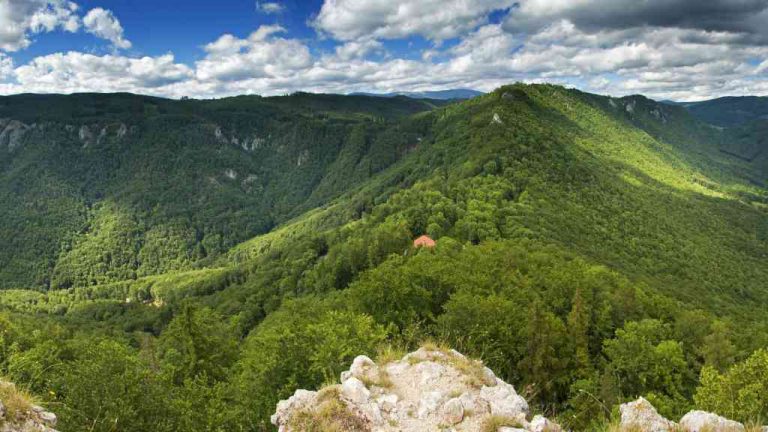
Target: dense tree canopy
{"type": "Point", "coordinates": [587, 253]}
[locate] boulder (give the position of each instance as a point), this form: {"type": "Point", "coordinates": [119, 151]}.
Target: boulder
{"type": "Point", "coordinates": [504, 401]}
{"type": "Point", "coordinates": [453, 411]}
{"type": "Point", "coordinates": [355, 391]}
{"type": "Point", "coordinates": [702, 421]}
{"type": "Point", "coordinates": [300, 400]}
{"type": "Point", "coordinates": [542, 424]}
{"type": "Point", "coordinates": [364, 369]}
{"type": "Point", "coordinates": [48, 418]}
{"type": "Point", "coordinates": [641, 416]}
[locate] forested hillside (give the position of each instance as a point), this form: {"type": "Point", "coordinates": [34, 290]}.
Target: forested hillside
{"type": "Point", "coordinates": [730, 111]}
{"type": "Point", "coordinates": [217, 255]}
{"type": "Point", "coordinates": [743, 128]}
{"type": "Point", "coordinates": [103, 188]}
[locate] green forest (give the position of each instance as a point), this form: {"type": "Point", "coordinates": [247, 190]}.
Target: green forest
{"type": "Point", "coordinates": [184, 265]}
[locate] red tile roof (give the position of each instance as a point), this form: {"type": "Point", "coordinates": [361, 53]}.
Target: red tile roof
{"type": "Point", "coordinates": [424, 241]}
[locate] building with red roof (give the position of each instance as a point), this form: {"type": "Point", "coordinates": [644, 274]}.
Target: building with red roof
{"type": "Point", "coordinates": [424, 241]}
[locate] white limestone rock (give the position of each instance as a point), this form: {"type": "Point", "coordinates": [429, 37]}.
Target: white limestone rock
{"type": "Point", "coordinates": [300, 400]}
{"type": "Point", "coordinates": [11, 133]}
{"type": "Point", "coordinates": [701, 421]}
{"type": "Point", "coordinates": [642, 416]}
{"type": "Point", "coordinates": [453, 411]}
{"type": "Point", "coordinates": [504, 401]}
{"type": "Point", "coordinates": [427, 390]}
{"type": "Point", "coordinates": [542, 424]}
{"type": "Point", "coordinates": [36, 418]}
{"type": "Point", "coordinates": [355, 391]}
{"type": "Point", "coordinates": [364, 369]}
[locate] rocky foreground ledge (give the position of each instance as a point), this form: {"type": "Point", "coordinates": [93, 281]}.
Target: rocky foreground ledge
{"type": "Point", "coordinates": [441, 390]}
{"type": "Point", "coordinates": [427, 390]}
{"type": "Point", "coordinates": [641, 416]}
{"type": "Point", "coordinates": [19, 414]}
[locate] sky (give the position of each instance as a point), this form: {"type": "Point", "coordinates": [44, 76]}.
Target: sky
{"type": "Point", "coordinates": [666, 49]}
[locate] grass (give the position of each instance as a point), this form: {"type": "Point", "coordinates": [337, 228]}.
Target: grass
{"type": "Point", "coordinates": [330, 415]}
{"type": "Point", "coordinates": [473, 370]}
{"type": "Point", "coordinates": [18, 403]}
{"type": "Point", "coordinates": [382, 380]}
{"type": "Point", "coordinates": [389, 353]}
{"type": "Point", "coordinates": [493, 423]}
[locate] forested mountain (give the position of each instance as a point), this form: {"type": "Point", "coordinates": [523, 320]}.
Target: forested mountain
{"type": "Point", "coordinates": [730, 111]}
{"type": "Point", "coordinates": [433, 94]}
{"type": "Point", "coordinates": [102, 188]}
{"type": "Point", "coordinates": [214, 256]}
{"type": "Point", "coordinates": [744, 125]}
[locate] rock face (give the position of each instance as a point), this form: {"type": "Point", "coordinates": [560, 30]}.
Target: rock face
{"type": "Point", "coordinates": [11, 133]}
{"type": "Point", "coordinates": [18, 415]}
{"type": "Point", "coordinates": [641, 416]}
{"type": "Point", "coordinates": [440, 390]}
{"type": "Point", "coordinates": [700, 421]}
{"type": "Point", "coordinates": [427, 390]}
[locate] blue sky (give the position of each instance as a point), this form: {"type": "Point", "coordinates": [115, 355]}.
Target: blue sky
{"type": "Point", "coordinates": [675, 49]}
{"type": "Point", "coordinates": [156, 27]}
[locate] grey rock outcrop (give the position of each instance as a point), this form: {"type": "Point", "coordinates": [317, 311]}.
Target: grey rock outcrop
{"type": "Point", "coordinates": [11, 133]}
{"type": "Point", "coordinates": [641, 416]}
{"type": "Point", "coordinates": [427, 390]}
{"type": "Point", "coordinates": [17, 416]}
{"type": "Point", "coordinates": [701, 421]}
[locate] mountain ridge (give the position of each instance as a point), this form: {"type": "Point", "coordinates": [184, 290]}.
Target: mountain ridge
{"type": "Point", "coordinates": [451, 94]}
{"type": "Point", "coordinates": [612, 231]}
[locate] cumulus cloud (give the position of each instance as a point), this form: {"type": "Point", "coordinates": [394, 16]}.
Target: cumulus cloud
{"type": "Point", "coordinates": [737, 16]}
{"type": "Point", "coordinates": [358, 49]}
{"type": "Point", "coordinates": [269, 7]}
{"type": "Point", "coordinates": [20, 19]}
{"type": "Point", "coordinates": [78, 72]}
{"type": "Point", "coordinates": [261, 55]}
{"type": "Point", "coordinates": [103, 23]}
{"type": "Point", "coordinates": [6, 66]}
{"type": "Point", "coordinates": [611, 49]}
{"type": "Point", "coordinates": [432, 19]}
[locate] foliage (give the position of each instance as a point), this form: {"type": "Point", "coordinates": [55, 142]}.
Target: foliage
{"type": "Point", "coordinates": [586, 252]}
{"type": "Point", "coordinates": [739, 393]}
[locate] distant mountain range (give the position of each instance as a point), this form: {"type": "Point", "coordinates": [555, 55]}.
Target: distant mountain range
{"type": "Point", "coordinates": [727, 111]}
{"type": "Point", "coordinates": [730, 111]}
{"type": "Point", "coordinates": [437, 94]}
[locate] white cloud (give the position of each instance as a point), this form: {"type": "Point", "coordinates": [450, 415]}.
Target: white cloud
{"type": "Point", "coordinates": [270, 7]}
{"type": "Point", "coordinates": [261, 55]}
{"type": "Point", "coordinates": [358, 49]}
{"type": "Point", "coordinates": [104, 24]}
{"type": "Point", "coordinates": [743, 17]}
{"type": "Point", "coordinates": [6, 66]}
{"type": "Point", "coordinates": [434, 19]}
{"type": "Point", "coordinates": [78, 72]}
{"type": "Point", "coordinates": [20, 19]}
{"type": "Point", "coordinates": [675, 62]}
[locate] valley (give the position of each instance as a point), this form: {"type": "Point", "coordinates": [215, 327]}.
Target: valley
{"type": "Point", "coordinates": [213, 256]}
